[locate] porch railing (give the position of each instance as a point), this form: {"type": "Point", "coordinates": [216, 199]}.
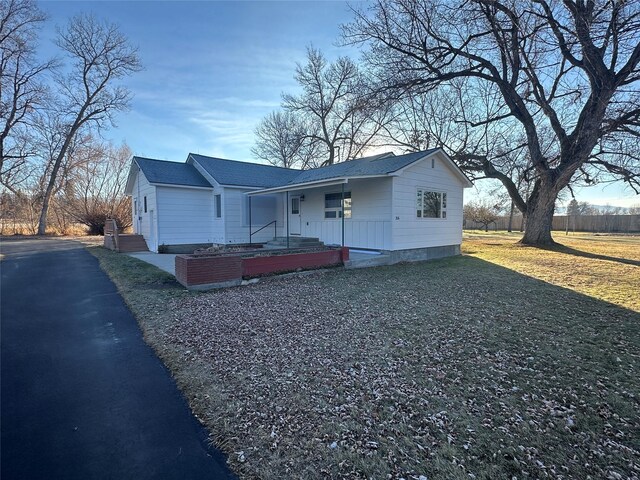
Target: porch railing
{"type": "Point", "coordinates": [275, 230]}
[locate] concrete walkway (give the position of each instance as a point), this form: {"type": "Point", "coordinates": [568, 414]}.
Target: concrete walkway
{"type": "Point", "coordinates": [164, 261]}
{"type": "Point", "coordinates": [82, 395]}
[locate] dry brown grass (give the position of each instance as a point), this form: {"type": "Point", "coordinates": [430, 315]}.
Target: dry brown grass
{"type": "Point", "coordinates": [453, 369]}
{"type": "Point", "coordinates": [606, 267]}
{"type": "Point", "coordinates": [26, 229]}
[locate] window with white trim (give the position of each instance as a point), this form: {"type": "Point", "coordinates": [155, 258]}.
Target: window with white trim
{"type": "Point", "coordinates": [333, 205]}
{"type": "Point", "coordinates": [218, 205]}
{"type": "Point", "coordinates": [431, 204]}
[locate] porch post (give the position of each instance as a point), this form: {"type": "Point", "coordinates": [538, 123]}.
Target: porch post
{"type": "Point", "coordinates": [250, 227]}
{"type": "Point", "coordinates": [286, 214]}
{"type": "Point", "coordinates": [342, 203]}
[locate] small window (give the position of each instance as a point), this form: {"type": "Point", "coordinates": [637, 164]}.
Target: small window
{"type": "Point", "coordinates": [431, 204]}
{"type": "Point", "coordinates": [295, 206]}
{"type": "Point", "coordinates": [333, 205]}
{"type": "Point", "coordinates": [218, 202]}
{"type": "Point", "coordinates": [433, 163]}
{"type": "Point", "coordinates": [145, 204]}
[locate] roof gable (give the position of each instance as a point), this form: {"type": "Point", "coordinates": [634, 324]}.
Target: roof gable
{"type": "Point", "coordinates": [375, 165]}
{"type": "Point", "coordinates": [171, 173]}
{"type": "Point", "coordinates": [446, 160]}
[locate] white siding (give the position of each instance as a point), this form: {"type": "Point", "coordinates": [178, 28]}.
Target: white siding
{"type": "Point", "coordinates": [235, 207]}
{"type": "Point", "coordinates": [370, 222]}
{"type": "Point", "coordinates": [412, 232]}
{"type": "Point", "coordinates": [217, 224]}
{"type": "Point", "coordinates": [141, 189]}
{"type": "Point", "coordinates": [185, 215]}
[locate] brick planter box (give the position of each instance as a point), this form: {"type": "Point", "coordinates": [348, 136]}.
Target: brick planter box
{"type": "Point", "coordinates": [217, 271]}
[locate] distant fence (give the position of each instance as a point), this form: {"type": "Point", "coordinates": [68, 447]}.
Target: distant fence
{"type": "Point", "coordinates": [581, 223]}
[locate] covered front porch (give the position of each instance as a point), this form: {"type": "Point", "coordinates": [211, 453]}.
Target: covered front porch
{"type": "Point", "coordinates": [347, 212]}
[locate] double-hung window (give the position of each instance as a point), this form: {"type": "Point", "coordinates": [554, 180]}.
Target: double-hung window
{"type": "Point", "coordinates": [431, 204]}
{"type": "Point", "coordinates": [333, 205]}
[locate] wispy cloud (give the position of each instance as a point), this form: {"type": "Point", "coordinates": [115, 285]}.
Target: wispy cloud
{"type": "Point", "coordinates": [249, 103]}
{"type": "Point", "coordinates": [225, 130]}
{"type": "Point", "coordinates": [212, 69]}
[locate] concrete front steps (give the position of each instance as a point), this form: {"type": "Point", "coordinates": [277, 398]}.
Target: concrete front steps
{"type": "Point", "coordinates": [127, 243]}
{"type": "Point", "coordinates": [295, 242]}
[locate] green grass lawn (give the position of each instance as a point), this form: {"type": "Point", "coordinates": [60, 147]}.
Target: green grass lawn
{"type": "Point", "coordinates": [505, 362]}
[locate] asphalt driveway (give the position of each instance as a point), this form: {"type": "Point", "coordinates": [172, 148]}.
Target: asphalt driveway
{"type": "Point", "coordinates": [82, 395]}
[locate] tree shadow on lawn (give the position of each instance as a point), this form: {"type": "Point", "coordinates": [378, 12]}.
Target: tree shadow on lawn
{"type": "Point", "coordinates": [580, 253]}
{"type": "Point", "coordinates": [544, 376]}
{"type": "Point", "coordinates": [481, 364]}
{"type": "Point", "coordinates": [488, 371]}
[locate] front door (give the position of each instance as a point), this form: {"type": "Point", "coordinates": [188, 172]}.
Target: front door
{"type": "Point", "coordinates": [295, 219]}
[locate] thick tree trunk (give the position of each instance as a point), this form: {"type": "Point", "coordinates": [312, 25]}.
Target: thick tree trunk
{"type": "Point", "coordinates": [539, 217]}
{"type": "Point", "coordinates": [42, 222]}
{"type": "Point", "coordinates": [510, 226]}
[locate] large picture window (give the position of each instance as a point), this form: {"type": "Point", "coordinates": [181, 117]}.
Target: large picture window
{"type": "Point", "coordinates": [333, 205]}
{"type": "Point", "coordinates": [431, 204]}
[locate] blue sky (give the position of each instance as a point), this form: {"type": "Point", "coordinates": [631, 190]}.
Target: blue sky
{"type": "Point", "coordinates": [214, 69]}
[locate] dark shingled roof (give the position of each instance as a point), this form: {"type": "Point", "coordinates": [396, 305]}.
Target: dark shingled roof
{"type": "Point", "coordinates": [382, 164]}
{"type": "Point", "coordinates": [171, 173]}
{"type": "Point", "coordinates": [233, 172]}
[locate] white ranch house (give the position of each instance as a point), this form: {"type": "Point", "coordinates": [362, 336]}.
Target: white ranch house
{"type": "Point", "coordinates": [408, 205]}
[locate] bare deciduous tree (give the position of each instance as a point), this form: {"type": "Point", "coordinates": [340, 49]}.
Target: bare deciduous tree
{"type": "Point", "coordinates": [21, 87]}
{"type": "Point", "coordinates": [90, 94]}
{"type": "Point", "coordinates": [94, 189]}
{"type": "Point", "coordinates": [281, 141]}
{"type": "Point", "coordinates": [333, 117]}
{"type": "Point", "coordinates": [562, 76]}
{"type": "Point", "coordinates": [481, 213]}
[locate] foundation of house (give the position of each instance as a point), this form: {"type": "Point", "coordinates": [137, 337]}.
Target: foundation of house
{"type": "Point", "coordinates": [365, 259]}
{"type": "Point", "coordinates": [420, 254]}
